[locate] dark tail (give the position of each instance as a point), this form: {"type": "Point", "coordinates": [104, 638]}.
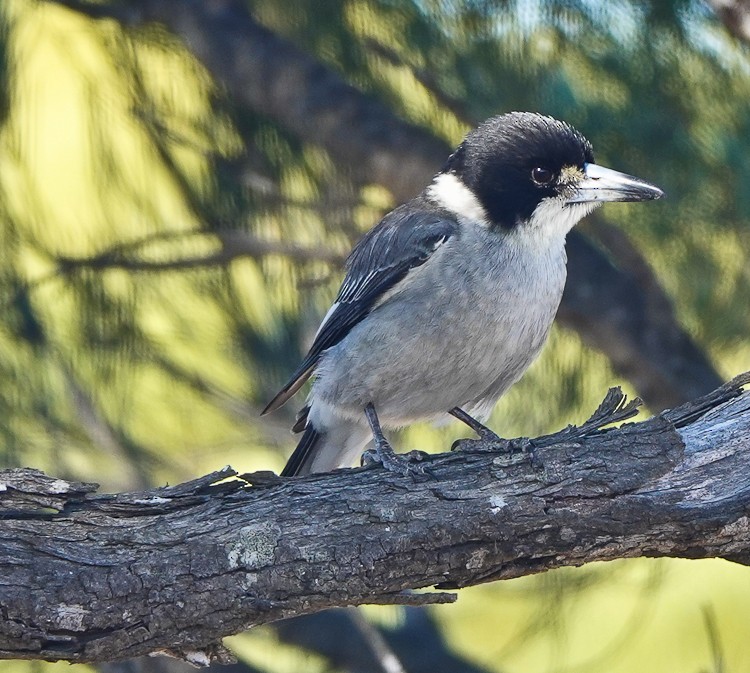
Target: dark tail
{"type": "Point", "coordinates": [295, 383]}
{"type": "Point", "coordinates": [301, 458]}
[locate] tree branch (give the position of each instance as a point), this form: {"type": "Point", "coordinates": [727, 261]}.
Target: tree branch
{"type": "Point", "coordinates": [273, 77]}
{"type": "Point", "coordinates": [630, 319]}
{"type": "Point", "coordinates": [234, 244]}
{"type": "Point", "coordinates": [90, 578]}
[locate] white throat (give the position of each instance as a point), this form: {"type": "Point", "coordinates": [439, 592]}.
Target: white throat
{"type": "Point", "coordinates": [551, 221]}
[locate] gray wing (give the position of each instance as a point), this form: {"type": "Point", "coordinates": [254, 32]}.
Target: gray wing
{"type": "Point", "coordinates": [402, 241]}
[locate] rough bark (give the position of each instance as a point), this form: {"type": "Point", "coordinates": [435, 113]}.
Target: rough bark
{"type": "Point", "coordinates": [89, 578]}
{"type": "Point", "coordinates": [613, 309]}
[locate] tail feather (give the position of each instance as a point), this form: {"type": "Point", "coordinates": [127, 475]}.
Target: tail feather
{"type": "Point", "coordinates": [299, 462]}
{"type": "Point", "coordinates": [328, 441]}
{"type": "Point", "coordinates": [295, 383]}
{"type": "Point", "coordinates": [301, 421]}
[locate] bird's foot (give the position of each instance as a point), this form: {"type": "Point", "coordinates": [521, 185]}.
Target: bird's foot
{"type": "Point", "coordinates": [509, 447]}
{"type": "Point", "coordinates": [410, 464]}
{"type": "Point", "coordinates": [407, 465]}
{"type": "Point", "coordinates": [488, 440]}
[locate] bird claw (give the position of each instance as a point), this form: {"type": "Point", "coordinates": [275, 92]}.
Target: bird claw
{"type": "Point", "coordinates": [407, 465]}
{"type": "Point", "coordinates": [383, 453]}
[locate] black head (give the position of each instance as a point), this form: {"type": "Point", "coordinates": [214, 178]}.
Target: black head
{"type": "Point", "coordinates": [514, 161]}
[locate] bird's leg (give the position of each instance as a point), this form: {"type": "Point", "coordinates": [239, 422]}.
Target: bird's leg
{"type": "Point", "coordinates": [485, 434]}
{"type": "Point", "coordinates": [384, 454]}
{"type": "Point", "coordinates": [488, 440]}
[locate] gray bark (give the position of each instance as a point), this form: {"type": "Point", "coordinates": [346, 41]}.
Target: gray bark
{"type": "Point", "coordinates": [89, 578]}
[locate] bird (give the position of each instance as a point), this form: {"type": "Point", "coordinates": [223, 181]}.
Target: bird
{"type": "Point", "coordinates": [450, 297]}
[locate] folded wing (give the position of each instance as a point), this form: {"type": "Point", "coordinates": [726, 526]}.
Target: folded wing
{"type": "Point", "coordinates": [403, 240]}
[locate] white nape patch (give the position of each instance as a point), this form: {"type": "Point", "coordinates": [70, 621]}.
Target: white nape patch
{"type": "Point", "coordinates": [551, 221]}
{"type": "Point", "coordinates": [448, 191]}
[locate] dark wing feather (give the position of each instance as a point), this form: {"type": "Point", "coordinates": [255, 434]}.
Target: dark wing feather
{"type": "Point", "coordinates": [403, 240]}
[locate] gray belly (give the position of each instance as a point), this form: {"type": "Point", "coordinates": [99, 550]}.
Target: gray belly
{"type": "Point", "coordinates": [431, 349]}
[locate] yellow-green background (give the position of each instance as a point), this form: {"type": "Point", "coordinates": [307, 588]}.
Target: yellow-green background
{"type": "Point", "coordinates": [114, 138]}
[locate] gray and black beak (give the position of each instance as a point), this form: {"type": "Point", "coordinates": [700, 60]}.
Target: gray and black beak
{"type": "Point", "coordinates": [601, 184]}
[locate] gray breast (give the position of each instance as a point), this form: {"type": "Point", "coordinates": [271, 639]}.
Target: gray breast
{"type": "Point", "coordinates": [459, 333]}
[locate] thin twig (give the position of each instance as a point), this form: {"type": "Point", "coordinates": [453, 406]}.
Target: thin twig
{"type": "Point", "coordinates": [386, 657]}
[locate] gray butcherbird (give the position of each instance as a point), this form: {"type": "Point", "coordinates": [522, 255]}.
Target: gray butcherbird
{"type": "Point", "coordinates": [449, 299]}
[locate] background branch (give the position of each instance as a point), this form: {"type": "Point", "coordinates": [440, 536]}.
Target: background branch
{"type": "Point", "coordinates": [233, 244]}
{"type": "Point", "coordinates": [735, 14]}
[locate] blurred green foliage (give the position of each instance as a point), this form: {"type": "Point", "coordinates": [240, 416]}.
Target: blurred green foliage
{"type": "Point", "coordinates": [120, 161]}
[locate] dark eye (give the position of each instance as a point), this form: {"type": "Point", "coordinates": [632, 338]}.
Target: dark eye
{"type": "Point", "coordinates": [542, 176]}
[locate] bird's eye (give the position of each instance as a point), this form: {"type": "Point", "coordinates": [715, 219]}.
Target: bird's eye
{"type": "Point", "coordinates": [542, 176]}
